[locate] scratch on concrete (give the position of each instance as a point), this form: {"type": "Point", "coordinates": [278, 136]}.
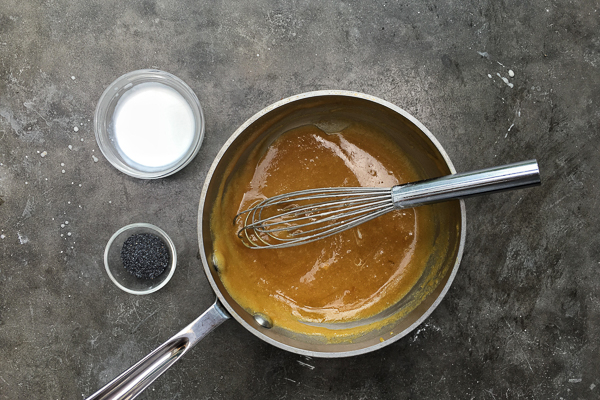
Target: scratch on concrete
{"type": "Point", "coordinates": [30, 106]}
{"type": "Point", "coordinates": [29, 206]}
{"type": "Point", "coordinates": [306, 365]}
{"type": "Point", "coordinates": [144, 320]}
{"type": "Point", "coordinates": [526, 359]}
{"type": "Point", "coordinates": [519, 347]}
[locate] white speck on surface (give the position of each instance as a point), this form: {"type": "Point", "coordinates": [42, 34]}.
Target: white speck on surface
{"type": "Point", "coordinates": [490, 76]}
{"type": "Point", "coordinates": [80, 185]}
{"type": "Point", "coordinates": [70, 147]}
{"type": "Point", "coordinates": [73, 77]}
{"type": "Point", "coordinates": [2, 236]}
{"type": "Point", "coordinates": [510, 127]}
{"type": "Point", "coordinates": [62, 225]}
{"type": "Point", "coordinates": [68, 233]}
{"type": "Point", "coordinates": [67, 222]}
{"type": "Point", "coordinates": [27, 183]}
{"type": "Point", "coordinates": [22, 238]}
{"type": "Point", "coordinates": [511, 73]}
{"type": "Point", "coordinates": [592, 386]}
{"type": "Point", "coordinates": [76, 129]}
{"type": "Point", "coordinates": [62, 164]}
{"type": "Point", "coordinates": [44, 154]}
{"type": "Point", "coordinates": [63, 171]}
{"type": "Point", "coordinates": [95, 158]}
{"type": "Point", "coordinates": [483, 54]}
{"type": "Point", "coordinates": [505, 80]}
{"type": "Point", "coordinates": [109, 202]}
{"type": "Point", "coordinates": [82, 139]}
{"type": "Point", "coordinates": [68, 202]}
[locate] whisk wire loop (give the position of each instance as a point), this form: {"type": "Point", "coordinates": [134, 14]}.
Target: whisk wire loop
{"type": "Point", "coordinates": [285, 220]}
{"type": "Point", "coordinates": [326, 211]}
{"type": "Point", "coordinates": [316, 219]}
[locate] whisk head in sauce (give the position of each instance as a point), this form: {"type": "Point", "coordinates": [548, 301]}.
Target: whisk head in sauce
{"type": "Point", "coordinates": [305, 216]}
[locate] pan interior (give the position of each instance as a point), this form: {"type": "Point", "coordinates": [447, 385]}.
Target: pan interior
{"type": "Point", "coordinates": [333, 113]}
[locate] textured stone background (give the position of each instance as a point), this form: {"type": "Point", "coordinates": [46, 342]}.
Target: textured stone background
{"type": "Point", "coordinates": [522, 319]}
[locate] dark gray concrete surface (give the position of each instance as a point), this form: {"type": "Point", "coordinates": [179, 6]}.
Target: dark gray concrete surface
{"type": "Point", "coordinates": [522, 319]}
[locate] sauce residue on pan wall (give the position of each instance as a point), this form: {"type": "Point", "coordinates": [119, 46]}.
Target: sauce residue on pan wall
{"type": "Point", "coordinates": [347, 277]}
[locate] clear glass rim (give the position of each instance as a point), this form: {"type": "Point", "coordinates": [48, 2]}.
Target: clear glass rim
{"type": "Point", "coordinates": [169, 243]}
{"type": "Point", "coordinates": [140, 76]}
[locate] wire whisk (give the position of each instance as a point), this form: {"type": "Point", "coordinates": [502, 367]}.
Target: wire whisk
{"type": "Point", "coordinates": [305, 216]}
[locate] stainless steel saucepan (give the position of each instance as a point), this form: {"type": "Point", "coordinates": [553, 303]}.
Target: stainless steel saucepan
{"type": "Point", "coordinates": [330, 110]}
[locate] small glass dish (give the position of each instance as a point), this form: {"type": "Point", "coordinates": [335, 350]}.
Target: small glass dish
{"type": "Point", "coordinates": [117, 272]}
{"type": "Point", "coordinates": [105, 122]}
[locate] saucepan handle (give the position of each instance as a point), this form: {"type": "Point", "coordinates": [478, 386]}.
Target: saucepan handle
{"type": "Point", "coordinates": [137, 378]}
{"type": "Point", "coordinates": [506, 177]}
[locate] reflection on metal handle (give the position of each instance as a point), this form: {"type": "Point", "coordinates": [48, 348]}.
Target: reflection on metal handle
{"type": "Point", "coordinates": [137, 378]}
{"type": "Point", "coordinates": [512, 176]}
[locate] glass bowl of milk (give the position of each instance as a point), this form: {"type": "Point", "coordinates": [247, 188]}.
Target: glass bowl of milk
{"type": "Point", "coordinates": [149, 124]}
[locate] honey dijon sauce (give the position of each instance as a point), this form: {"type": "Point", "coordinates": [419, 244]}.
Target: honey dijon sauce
{"type": "Point", "coordinates": [346, 277]}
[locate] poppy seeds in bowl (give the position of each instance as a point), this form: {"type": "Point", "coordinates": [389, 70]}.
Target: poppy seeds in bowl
{"type": "Point", "coordinates": [145, 255]}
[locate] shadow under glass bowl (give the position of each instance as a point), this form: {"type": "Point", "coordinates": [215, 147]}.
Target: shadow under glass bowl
{"type": "Point", "coordinates": [104, 123]}
{"type": "Point", "coordinates": [123, 278]}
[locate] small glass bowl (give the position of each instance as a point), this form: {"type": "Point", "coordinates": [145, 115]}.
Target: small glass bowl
{"type": "Point", "coordinates": [117, 272]}
{"type": "Point", "coordinates": [103, 122]}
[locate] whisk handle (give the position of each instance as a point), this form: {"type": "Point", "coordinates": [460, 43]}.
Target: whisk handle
{"type": "Point", "coordinates": [512, 176]}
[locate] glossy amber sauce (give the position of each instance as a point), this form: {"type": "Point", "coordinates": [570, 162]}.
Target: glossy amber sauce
{"type": "Point", "coordinates": [347, 277]}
